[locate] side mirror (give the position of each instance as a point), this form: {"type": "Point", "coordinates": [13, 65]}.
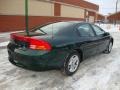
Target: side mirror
{"type": "Point", "coordinates": [106, 33]}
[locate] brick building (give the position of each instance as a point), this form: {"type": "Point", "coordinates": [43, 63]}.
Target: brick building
{"type": "Point", "coordinates": [100, 17]}
{"type": "Point", "coordinates": [43, 11]}
{"type": "Point", "coordinates": [115, 17]}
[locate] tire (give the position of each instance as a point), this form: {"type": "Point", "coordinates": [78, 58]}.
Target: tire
{"type": "Point", "coordinates": [71, 63]}
{"type": "Point", "coordinates": [109, 48]}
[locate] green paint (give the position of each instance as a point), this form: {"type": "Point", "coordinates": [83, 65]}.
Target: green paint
{"type": "Point", "coordinates": [26, 17]}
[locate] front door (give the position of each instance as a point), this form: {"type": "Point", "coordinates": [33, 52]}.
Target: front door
{"type": "Point", "coordinates": [87, 40]}
{"type": "Point", "coordinates": [102, 38]}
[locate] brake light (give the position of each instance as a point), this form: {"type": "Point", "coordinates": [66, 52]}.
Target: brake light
{"type": "Point", "coordinates": [35, 44]}
{"type": "Point", "coordinates": [39, 45]}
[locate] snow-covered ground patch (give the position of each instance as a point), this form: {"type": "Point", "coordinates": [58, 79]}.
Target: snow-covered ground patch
{"type": "Point", "coordinates": [2, 44]}
{"type": "Point", "coordinates": [110, 27]}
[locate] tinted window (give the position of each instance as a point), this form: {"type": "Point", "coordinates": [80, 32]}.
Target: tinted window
{"type": "Point", "coordinates": [54, 28]}
{"type": "Point", "coordinates": [98, 30]}
{"type": "Point", "coordinates": [85, 30]}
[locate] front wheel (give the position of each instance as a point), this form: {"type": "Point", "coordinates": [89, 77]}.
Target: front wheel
{"type": "Point", "coordinates": [109, 48]}
{"type": "Point", "coordinates": [71, 64]}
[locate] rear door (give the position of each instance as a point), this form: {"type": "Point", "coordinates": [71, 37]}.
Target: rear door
{"type": "Point", "coordinates": [102, 38]}
{"type": "Point", "coordinates": [87, 40]}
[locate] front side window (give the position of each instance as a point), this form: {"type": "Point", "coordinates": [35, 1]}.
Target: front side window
{"type": "Point", "coordinates": [98, 30]}
{"type": "Point", "coordinates": [85, 30]}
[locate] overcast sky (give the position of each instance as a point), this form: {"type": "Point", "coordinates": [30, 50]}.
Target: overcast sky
{"type": "Point", "coordinates": [105, 6]}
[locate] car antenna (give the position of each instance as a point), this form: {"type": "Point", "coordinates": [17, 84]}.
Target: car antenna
{"type": "Point", "coordinates": [52, 31]}
{"type": "Point", "coordinates": [26, 18]}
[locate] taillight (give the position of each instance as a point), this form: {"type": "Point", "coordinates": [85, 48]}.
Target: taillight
{"type": "Point", "coordinates": [39, 45]}
{"type": "Point", "coordinates": [35, 44]}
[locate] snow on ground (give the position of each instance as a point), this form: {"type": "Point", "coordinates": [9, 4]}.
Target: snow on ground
{"type": "Point", "coordinates": [110, 27]}
{"type": "Point", "coordinates": [4, 44]}
{"type": "Point", "coordinates": [100, 72]}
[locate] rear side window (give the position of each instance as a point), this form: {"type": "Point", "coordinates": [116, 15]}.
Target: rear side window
{"type": "Point", "coordinates": [54, 28]}
{"type": "Point", "coordinates": [98, 30]}
{"type": "Point", "coordinates": [85, 30]}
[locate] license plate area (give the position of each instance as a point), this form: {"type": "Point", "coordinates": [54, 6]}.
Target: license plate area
{"type": "Point", "coordinates": [21, 44]}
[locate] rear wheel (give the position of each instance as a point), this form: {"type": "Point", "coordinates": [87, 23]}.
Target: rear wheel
{"type": "Point", "coordinates": [71, 64]}
{"type": "Point", "coordinates": [109, 48]}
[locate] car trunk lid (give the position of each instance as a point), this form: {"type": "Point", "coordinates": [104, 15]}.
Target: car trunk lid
{"type": "Point", "coordinates": [21, 40]}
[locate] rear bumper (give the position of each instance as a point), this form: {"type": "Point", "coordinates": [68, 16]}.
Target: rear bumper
{"type": "Point", "coordinates": [36, 60]}
{"type": "Point", "coordinates": [32, 65]}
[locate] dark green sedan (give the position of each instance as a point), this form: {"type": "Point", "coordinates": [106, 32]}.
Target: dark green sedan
{"type": "Point", "coordinates": [59, 45]}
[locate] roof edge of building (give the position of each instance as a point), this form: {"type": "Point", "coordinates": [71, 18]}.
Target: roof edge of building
{"type": "Point", "coordinates": [80, 3]}
{"type": "Point", "coordinates": [63, 3]}
{"type": "Point", "coordinates": [113, 14]}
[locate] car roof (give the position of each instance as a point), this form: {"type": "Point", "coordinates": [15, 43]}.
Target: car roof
{"type": "Point", "coordinates": [74, 22]}
{"type": "Point", "coordinates": [71, 22]}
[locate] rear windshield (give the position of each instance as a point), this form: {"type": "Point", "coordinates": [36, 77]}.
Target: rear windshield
{"type": "Point", "coordinates": [54, 28]}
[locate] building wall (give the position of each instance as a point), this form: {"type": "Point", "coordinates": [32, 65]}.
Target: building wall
{"type": "Point", "coordinates": [16, 22]}
{"type": "Point", "coordinates": [11, 7]}
{"type": "Point", "coordinates": [91, 16]}
{"type": "Point", "coordinates": [39, 8]}
{"type": "Point", "coordinates": [17, 7]}
{"type": "Point", "coordinates": [91, 19]}
{"type": "Point", "coordinates": [40, 11]}
{"type": "Point", "coordinates": [82, 3]}
{"type": "Point", "coordinates": [57, 9]}
{"type": "Point", "coordinates": [68, 11]}
{"type": "Point", "coordinates": [100, 17]}
{"type": "Point", "coordinates": [114, 18]}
